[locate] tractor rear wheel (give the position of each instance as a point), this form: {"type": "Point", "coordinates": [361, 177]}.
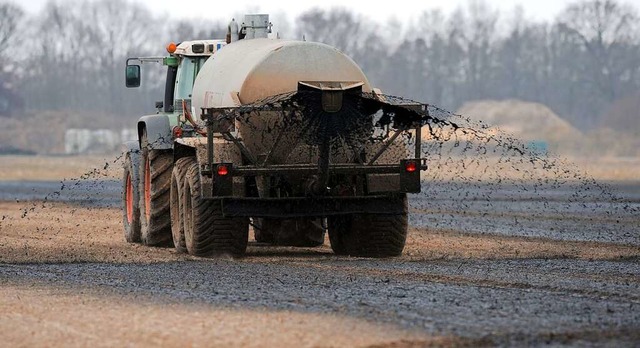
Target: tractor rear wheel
{"type": "Point", "coordinates": [207, 232]}
{"type": "Point", "coordinates": [369, 235]}
{"type": "Point", "coordinates": [130, 200]}
{"type": "Point", "coordinates": [177, 211]}
{"type": "Point", "coordinates": [155, 187]}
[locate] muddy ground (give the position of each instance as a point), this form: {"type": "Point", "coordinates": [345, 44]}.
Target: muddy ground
{"type": "Point", "coordinates": [547, 267]}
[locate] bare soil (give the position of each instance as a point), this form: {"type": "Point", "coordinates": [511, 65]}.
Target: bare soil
{"type": "Point", "coordinates": [68, 278]}
{"type": "Point", "coordinates": [61, 316]}
{"type": "Point", "coordinates": [61, 233]}
{"type": "Point", "coordinates": [53, 168]}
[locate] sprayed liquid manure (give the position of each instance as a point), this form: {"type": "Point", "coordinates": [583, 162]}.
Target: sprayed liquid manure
{"type": "Point", "coordinates": [480, 180]}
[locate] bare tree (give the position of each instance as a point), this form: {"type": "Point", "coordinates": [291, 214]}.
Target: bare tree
{"type": "Point", "coordinates": [348, 32]}
{"type": "Point", "coordinates": [337, 27]}
{"type": "Point", "coordinates": [185, 29]}
{"type": "Point", "coordinates": [442, 59]}
{"type": "Point", "coordinates": [80, 55]}
{"type": "Point", "coordinates": [522, 60]}
{"type": "Point", "coordinates": [117, 29]}
{"type": "Point", "coordinates": [10, 16]}
{"type": "Point", "coordinates": [579, 64]}
{"type": "Point", "coordinates": [474, 29]}
{"type": "Point", "coordinates": [607, 31]}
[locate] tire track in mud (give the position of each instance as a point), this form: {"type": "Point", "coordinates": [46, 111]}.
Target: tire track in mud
{"type": "Point", "coordinates": [623, 287]}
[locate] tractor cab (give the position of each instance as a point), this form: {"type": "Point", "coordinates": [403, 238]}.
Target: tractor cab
{"type": "Point", "coordinates": [183, 64]}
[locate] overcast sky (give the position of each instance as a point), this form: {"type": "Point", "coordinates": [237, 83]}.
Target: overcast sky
{"type": "Point", "coordinates": [380, 11]}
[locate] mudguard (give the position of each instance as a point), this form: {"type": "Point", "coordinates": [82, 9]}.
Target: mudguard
{"type": "Point", "coordinates": [158, 131]}
{"type": "Point", "coordinates": [132, 148]}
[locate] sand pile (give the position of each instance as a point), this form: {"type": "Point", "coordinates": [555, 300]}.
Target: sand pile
{"type": "Point", "coordinates": [524, 120]}
{"type": "Point", "coordinates": [623, 115]}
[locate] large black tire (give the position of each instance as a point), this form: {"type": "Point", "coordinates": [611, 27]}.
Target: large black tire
{"type": "Point", "coordinates": [130, 200]}
{"type": "Point", "coordinates": [369, 235]}
{"type": "Point", "coordinates": [155, 187]}
{"type": "Point", "coordinates": [302, 232]}
{"type": "Point", "coordinates": [207, 232]}
{"type": "Point", "coordinates": [177, 211]}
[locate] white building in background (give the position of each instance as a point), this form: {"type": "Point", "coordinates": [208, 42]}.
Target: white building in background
{"type": "Point", "coordinates": [127, 134]}
{"type": "Point", "coordinates": [77, 141]}
{"type": "Point", "coordinates": [98, 141]}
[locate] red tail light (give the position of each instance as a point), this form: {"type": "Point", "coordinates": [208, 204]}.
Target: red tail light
{"type": "Point", "coordinates": [223, 170]}
{"type": "Point", "coordinates": [177, 132]}
{"type": "Point", "coordinates": [410, 166]}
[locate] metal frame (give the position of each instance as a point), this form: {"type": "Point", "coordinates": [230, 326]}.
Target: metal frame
{"type": "Point", "coordinates": [312, 206]}
{"type": "Point", "coordinates": [409, 182]}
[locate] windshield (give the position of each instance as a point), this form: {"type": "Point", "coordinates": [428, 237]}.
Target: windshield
{"type": "Point", "coordinates": [187, 72]}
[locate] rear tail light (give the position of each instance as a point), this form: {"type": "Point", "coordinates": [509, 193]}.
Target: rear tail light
{"type": "Point", "coordinates": [177, 132]}
{"type": "Point", "coordinates": [410, 166]}
{"type": "Point", "coordinates": [223, 170]}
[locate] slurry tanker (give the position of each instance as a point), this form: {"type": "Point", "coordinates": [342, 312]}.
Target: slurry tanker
{"type": "Point", "coordinates": [288, 137]}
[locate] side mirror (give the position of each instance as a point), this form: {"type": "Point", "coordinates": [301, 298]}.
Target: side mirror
{"type": "Point", "coordinates": [132, 76]}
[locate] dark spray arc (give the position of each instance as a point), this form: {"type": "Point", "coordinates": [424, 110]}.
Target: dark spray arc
{"type": "Point", "coordinates": [342, 130]}
{"type": "Point", "coordinates": [472, 165]}
{"type": "Point", "coordinates": [471, 168]}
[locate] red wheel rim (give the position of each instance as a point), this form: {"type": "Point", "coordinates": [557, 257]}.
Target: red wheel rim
{"type": "Point", "coordinates": [147, 189]}
{"type": "Point", "coordinates": [129, 199]}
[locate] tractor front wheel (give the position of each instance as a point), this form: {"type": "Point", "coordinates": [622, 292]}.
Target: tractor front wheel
{"type": "Point", "coordinates": [130, 200]}
{"type": "Point", "coordinates": [154, 188]}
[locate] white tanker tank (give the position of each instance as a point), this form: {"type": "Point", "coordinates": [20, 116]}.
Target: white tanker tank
{"type": "Point", "coordinates": [248, 71]}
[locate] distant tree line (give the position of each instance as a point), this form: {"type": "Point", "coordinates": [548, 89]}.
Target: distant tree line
{"type": "Point", "coordinates": [578, 65]}
{"type": "Point", "coordinates": [71, 55]}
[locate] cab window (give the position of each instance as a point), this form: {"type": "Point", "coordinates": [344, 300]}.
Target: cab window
{"type": "Point", "coordinates": [187, 72]}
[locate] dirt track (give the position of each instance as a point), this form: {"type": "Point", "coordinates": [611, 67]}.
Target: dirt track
{"type": "Point", "coordinates": [68, 278]}
{"type": "Point", "coordinates": [449, 288]}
